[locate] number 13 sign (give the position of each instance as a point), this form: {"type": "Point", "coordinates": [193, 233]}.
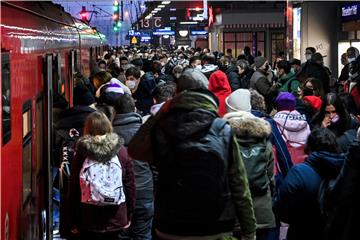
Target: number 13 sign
{"type": "Point", "coordinates": [150, 23]}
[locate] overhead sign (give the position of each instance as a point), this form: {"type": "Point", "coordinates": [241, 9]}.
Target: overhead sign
{"type": "Point", "coordinates": [350, 12]}
{"type": "Point", "coordinates": [134, 40]}
{"type": "Point", "coordinates": [133, 33]}
{"type": "Point", "coordinates": [161, 33]}
{"type": "Point", "coordinates": [150, 23]}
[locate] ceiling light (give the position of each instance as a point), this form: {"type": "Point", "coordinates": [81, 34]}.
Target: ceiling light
{"type": "Point", "coordinates": [157, 9]}
{"type": "Point", "coordinates": [192, 23]}
{"type": "Point", "coordinates": [161, 6]}
{"type": "Point", "coordinates": [166, 2]}
{"type": "Point", "coordinates": [183, 33]}
{"type": "Point", "coordinates": [166, 36]}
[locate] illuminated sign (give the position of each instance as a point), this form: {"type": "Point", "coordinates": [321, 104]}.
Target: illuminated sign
{"type": "Point", "coordinates": [350, 12]}
{"type": "Point", "coordinates": [160, 33]}
{"type": "Point", "coordinates": [133, 33]}
{"type": "Point", "coordinates": [199, 32]}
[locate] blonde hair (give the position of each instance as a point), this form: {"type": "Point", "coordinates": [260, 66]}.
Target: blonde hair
{"type": "Point", "coordinates": [97, 124]}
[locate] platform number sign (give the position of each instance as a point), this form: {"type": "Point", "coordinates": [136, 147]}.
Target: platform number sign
{"type": "Point", "coordinates": [150, 23]}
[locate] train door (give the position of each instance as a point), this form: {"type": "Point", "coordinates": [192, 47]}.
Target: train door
{"type": "Point", "coordinates": [48, 158]}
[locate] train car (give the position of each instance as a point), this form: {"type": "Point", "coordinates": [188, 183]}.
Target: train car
{"type": "Point", "coordinates": [42, 47]}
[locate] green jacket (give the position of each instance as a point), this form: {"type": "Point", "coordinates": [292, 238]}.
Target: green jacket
{"type": "Point", "coordinates": [289, 83]}
{"type": "Point", "coordinates": [179, 119]}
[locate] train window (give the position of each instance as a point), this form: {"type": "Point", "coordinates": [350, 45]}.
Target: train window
{"type": "Point", "coordinates": [5, 90]}
{"type": "Point", "coordinates": [59, 83]}
{"type": "Point", "coordinates": [39, 133]}
{"type": "Point", "coordinates": [27, 151]}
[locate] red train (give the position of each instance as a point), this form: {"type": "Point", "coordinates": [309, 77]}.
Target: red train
{"type": "Point", "coordinates": [42, 47]}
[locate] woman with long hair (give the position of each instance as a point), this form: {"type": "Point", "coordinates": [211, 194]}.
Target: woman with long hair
{"type": "Point", "coordinates": [102, 186]}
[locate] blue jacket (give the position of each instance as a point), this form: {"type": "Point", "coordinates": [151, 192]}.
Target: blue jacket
{"type": "Point", "coordinates": [297, 202]}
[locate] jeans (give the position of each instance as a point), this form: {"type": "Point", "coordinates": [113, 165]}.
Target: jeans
{"type": "Point", "coordinates": [141, 223]}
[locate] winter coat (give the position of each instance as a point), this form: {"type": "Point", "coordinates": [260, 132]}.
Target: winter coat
{"type": "Point", "coordinates": [305, 110]}
{"type": "Point", "coordinates": [208, 69]}
{"type": "Point", "coordinates": [143, 94]}
{"type": "Point", "coordinates": [108, 92]}
{"type": "Point", "coordinates": [126, 125]}
{"type": "Point", "coordinates": [245, 78]}
{"type": "Point", "coordinates": [289, 83]}
{"type": "Point", "coordinates": [253, 130]}
{"type": "Point", "coordinates": [283, 158]}
{"type": "Point", "coordinates": [352, 86]}
{"type": "Point", "coordinates": [297, 202]}
{"type": "Point", "coordinates": [184, 117]}
{"type": "Point", "coordinates": [293, 127]}
{"type": "Point", "coordinates": [220, 87]}
{"type": "Point", "coordinates": [233, 77]}
{"type": "Point", "coordinates": [93, 218]}
{"type": "Point", "coordinates": [343, 199]}
{"type": "Point", "coordinates": [311, 69]}
{"type": "Point", "coordinates": [260, 83]}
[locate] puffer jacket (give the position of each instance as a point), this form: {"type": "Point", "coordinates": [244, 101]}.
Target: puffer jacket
{"type": "Point", "coordinates": [297, 202]}
{"type": "Point", "coordinates": [208, 69]}
{"type": "Point", "coordinates": [253, 130]}
{"type": "Point", "coordinates": [93, 218]}
{"type": "Point", "coordinates": [143, 94]}
{"type": "Point", "coordinates": [293, 127]}
{"type": "Point", "coordinates": [233, 77]}
{"type": "Point", "coordinates": [188, 115]}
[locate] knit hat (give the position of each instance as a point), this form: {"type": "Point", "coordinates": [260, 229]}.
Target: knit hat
{"type": "Point", "coordinates": [259, 61]}
{"type": "Point", "coordinates": [238, 100]}
{"type": "Point", "coordinates": [82, 96]}
{"type": "Point", "coordinates": [285, 101]}
{"type": "Point", "coordinates": [314, 101]}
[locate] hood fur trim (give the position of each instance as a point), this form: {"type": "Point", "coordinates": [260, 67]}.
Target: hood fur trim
{"type": "Point", "coordinates": [247, 125]}
{"type": "Point", "coordinates": [100, 148]}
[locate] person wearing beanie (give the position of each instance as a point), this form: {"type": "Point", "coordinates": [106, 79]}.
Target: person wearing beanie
{"type": "Point", "coordinates": [220, 87]}
{"type": "Point", "coordinates": [253, 136]}
{"type": "Point", "coordinates": [260, 82]}
{"type": "Point", "coordinates": [314, 101]}
{"type": "Point", "coordinates": [238, 100]}
{"type": "Point", "coordinates": [292, 126]}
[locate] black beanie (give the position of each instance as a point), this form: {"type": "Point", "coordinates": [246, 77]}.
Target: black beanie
{"type": "Point", "coordinates": [82, 96]}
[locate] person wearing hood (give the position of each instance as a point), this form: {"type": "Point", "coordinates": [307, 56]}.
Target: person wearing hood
{"type": "Point", "coordinates": [89, 218]}
{"type": "Point", "coordinates": [125, 124]}
{"type": "Point", "coordinates": [189, 117]}
{"type": "Point", "coordinates": [208, 65]}
{"type": "Point", "coordinates": [297, 200]}
{"type": "Point", "coordinates": [292, 126]}
{"type": "Point", "coordinates": [253, 135]}
{"type": "Point", "coordinates": [287, 79]}
{"type": "Point", "coordinates": [220, 87]}
{"type": "Point", "coordinates": [231, 72]}
{"type": "Point", "coordinates": [107, 88]}
{"type": "Point", "coordinates": [261, 84]}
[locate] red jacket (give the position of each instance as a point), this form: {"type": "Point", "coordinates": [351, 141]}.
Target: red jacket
{"type": "Point", "coordinates": [101, 219]}
{"type": "Point", "coordinates": [220, 87]}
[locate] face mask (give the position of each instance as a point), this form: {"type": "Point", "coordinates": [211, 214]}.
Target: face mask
{"type": "Point", "coordinates": [352, 60]}
{"type": "Point", "coordinates": [335, 119]}
{"type": "Point", "coordinates": [308, 91]}
{"type": "Point", "coordinates": [308, 56]}
{"type": "Point", "coordinates": [198, 67]}
{"type": "Point", "coordinates": [131, 84]}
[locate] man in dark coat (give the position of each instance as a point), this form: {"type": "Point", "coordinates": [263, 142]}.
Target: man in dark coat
{"type": "Point", "coordinates": [126, 123]}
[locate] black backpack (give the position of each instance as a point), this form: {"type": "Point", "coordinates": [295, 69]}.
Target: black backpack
{"type": "Point", "coordinates": [68, 142]}
{"type": "Point", "coordinates": [256, 160]}
{"type": "Point", "coordinates": [193, 175]}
